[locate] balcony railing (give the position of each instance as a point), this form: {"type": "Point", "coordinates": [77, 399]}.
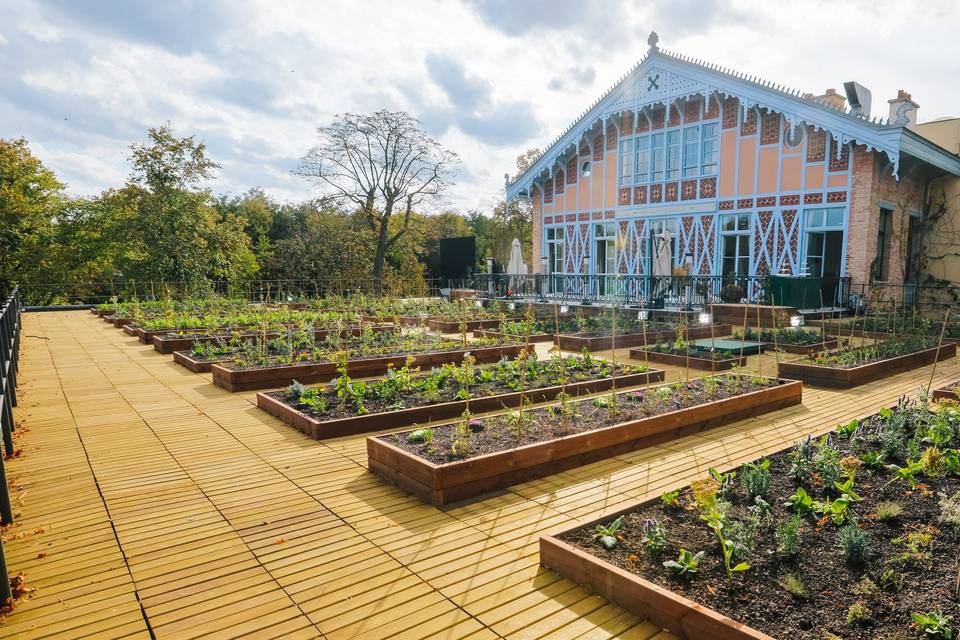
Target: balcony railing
{"type": "Point", "coordinates": [654, 292]}
{"type": "Point", "coordinates": [10, 314]}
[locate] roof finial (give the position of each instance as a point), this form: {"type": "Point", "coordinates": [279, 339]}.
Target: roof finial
{"type": "Point", "coordinates": [652, 40]}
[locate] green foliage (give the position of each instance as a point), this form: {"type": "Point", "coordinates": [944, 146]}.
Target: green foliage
{"type": "Point", "coordinates": [800, 502]}
{"type": "Point", "coordinates": [607, 535]}
{"type": "Point", "coordinates": [950, 510]}
{"type": "Point", "coordinates": [793, 584]}
{"type": "Point", "coordinates": [755, 478]}
{"type": "Point", "coordinates": [671, 498]}
{"type": "Point", "coordinates": [686, 563]}
{"type": "Point", "coordinates": [855, 544]}
{"type": "Point", "coordinates": [788, 535]}
{"type": "Point", "coordinates": [858, 613]}
{"type": "Point", "coordinates": [654, 540]}
{"type": "Point", "coordinates": [888, 511]}
{"type": "Point", "coordinates": [934, 623]}
{"type": "Point", "coordinates": [420, 436]}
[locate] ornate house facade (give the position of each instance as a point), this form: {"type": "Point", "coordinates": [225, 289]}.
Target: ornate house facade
{"type": "Point", "coordinates": [735, 177]}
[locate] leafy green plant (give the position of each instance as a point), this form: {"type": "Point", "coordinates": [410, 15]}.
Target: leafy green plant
{"type": "Point", "coordinates": [755, 478]}
{"type": "Point", "coordinates": [855, 544]}
{"type": "Point", "coordinates": [793, 584]}
{"type": "Point", "coordinates": [724, 480]}
{"type": "Point", "coordinates": [654, 540]}
{"type": "Point", "coordinates": [888, 511]}
{"type": "Point", "coordinates": [847, 430]}
{"type": "Point", "coordinates": [800, 502]}
{"type": "Point", "coordinates": [671, 498]}
{"type": "Point", "coordinates": [607, 535]}
{"type": "Point", "coordinates": [788, 535]}
{"type": "Point", "coordinates": [686, 563]}
{"type": "Point", "coordinates": [934, 623]}
{"type": "Point", "coordinates": [858, 613]}
{"type": "Point", "coordinates": [420, 436]}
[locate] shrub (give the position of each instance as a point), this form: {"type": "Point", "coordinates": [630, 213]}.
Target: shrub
{"type": "Point", "coordinates": [855, 544]}
{"type": "Point", "coordinates": [732, 293]}
{"type": "Point", "coordinates": [890, 581]}
{"type": "Point", "coordinates": [887, 511]}
{"type": "Point", "coordinates": [788, 537]}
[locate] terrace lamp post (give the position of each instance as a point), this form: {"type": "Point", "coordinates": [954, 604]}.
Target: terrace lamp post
{"type": "Point", "coordinates": [586, 279]}
{"type": "Point", "coordinates": [543, 278]}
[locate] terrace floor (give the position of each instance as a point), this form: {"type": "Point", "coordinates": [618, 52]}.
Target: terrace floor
{"type": "Point", "coordinates": [150, 501]}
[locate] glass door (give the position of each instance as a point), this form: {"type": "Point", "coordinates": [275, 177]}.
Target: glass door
{"type": "Point", "coordinates": [604, 255]}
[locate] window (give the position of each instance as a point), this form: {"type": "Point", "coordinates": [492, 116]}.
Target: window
{"type": "Point", "coordinates": [673, 155]}
{"type": "Point", "coordinates": [735, 235]}
{"type": "Point", "coordinates": [710, 150]}
{"type": "Point", "coordinates": [831, 218]}
{"type": "Point", "coordinates": [626, 162]}
{"type": "Point", "coordinates": [605, 240]}
{"type": "Point", "coordinates": [643, 158]}
{"type": "Point", "coordinates": [656, 157]}
{"type": "Point", "coordinates": [586, 169]}
{"type": "Point", "coordinates": [824, 243]}
{"type": "Point", "coordinates": [914, 247]}
{"type": "Point", "coordinates": [881, 267]}
{"type": "Point", "coordinates": [555, 249]}
{"type": "Point", "coordinates": [691, 142]}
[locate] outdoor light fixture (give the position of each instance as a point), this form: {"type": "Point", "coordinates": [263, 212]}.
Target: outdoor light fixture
{"type": "Point", "coordinates": [643, 315]}
{"type": "Point", "coordinates": [705, 318]}
{"type": "Point", "coordinates": [479, 303]}
{"type": "Point", "coordinates": [564, 308]}
{"type": "Point", "coordinates": [512, 306]}
{"type": "Point", "coordinates": [796, 321]}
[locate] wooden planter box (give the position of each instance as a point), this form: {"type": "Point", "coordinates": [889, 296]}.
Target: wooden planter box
{"type": "Point", "coordinates": [664, 608]}
{"type": "Point", "coordinates": [846, 378]}
{"type": "Point", "coordinates": [117, 322]}
{"type": "Point", "coordinates": [807, 349]}
{"type": "Point", "coordinates": [283, 375]}
{"type": "Point", "coordinates": [693, 361]}
{"type": "Point", "coordinates": [406, 321]}
{"type": "Point", "coordinates": [572, 342]}
{"type": "Point", "coordinates": [442, 484]}
{"type": "Point", "coordinates": [946, 393]}
{"type": "Point", "coordinates": [184, 359]}
{"type": "Point", "coordinates": [168, 343]}
{"type": "Point", "coordinates": [446, 325]}
{"type": "Point", "coordinates": [321, 429]}
{"type": "Point", "coordinates": [534, 337]}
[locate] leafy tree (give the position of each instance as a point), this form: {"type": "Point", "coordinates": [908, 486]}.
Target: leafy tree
{"type": "Point", "coordinates": [382, 163]}
{"type": "Point", "coordinates": [30, 196]}
{"type": "Point", "coordinates": [182, 237]}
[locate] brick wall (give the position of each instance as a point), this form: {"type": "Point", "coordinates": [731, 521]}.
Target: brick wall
{"type": "Point", "coordinates": [873, 185]}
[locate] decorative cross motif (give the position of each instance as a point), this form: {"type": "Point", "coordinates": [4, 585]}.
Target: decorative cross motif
{"type": "Point", "coordinates": [652, 83]}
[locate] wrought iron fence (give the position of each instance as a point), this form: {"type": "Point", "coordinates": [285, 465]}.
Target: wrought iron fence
{"type": "Point", "coordinates": [654, 292]}
{"type": "Point", "coordinates": [10, 320]}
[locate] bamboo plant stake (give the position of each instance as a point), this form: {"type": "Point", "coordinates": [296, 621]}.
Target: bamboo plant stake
{"type": "Point", "coordinates": [933, 369]}
{"type": "Point", "coordinates": [759, 325]}
{"type": "Point", "coordinates": [773, 322]}
{"type": "Point", "coordinates": [823, 325]}
{"type": "Point", "coordinates": [646, 354]}
{"type": "Point", "coordinates": [746, 309]}
{"type": "Point", "coordinates": [613, 354]}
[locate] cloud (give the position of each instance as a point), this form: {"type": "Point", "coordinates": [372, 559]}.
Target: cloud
{"type": "Point", "coordinates": [181, 26]}
{"type": "Point", "coordinates": [473, 108]}
{"type": "Point", "coordinates": [575, 78]}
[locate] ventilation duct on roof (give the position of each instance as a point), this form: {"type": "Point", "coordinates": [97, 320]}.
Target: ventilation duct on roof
{"type": "Point", "coordinates": [858, 96]}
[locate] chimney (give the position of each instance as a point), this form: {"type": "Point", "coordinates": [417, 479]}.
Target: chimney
{"type": "Point", "coordinates": [832, 99]}
{"type": "Point", "coordinates": [903, 111]}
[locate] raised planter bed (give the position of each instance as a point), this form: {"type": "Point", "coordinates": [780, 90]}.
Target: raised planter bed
{"type": "Point", "coordinates": [447, 325]}
{"type": "Point", "coordinates": [807, 349]}
{"type": "Point", "coordinates": [947, 393]}
{"type": "Point", "coordinates": [397, 419]}
{"type": "Point", "coordinates": [693, 361]}
{"type": "Point", "coordinates": [168, 342]}
{"type": "Point", "coordinates": [442, 484]}
{"type": "Point", "coordinates": [117, 322]}
{"type": "Point", "coordinates": [639, 596]}
{"type": "Point", "coordinates": [533, 337]}
{"type": "Point", "coordinates": [822, 585]}
{"type": "Point", "coordinates": [573, 342]}
{"type": "Point", "coordinates": [307, 372]}
{"type": "Point", "coordinates": [840, 378]}
{"type": "Point", "coordinates": [184, 359]}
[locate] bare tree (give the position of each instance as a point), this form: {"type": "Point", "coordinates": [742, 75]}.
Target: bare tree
{"type": "Point", "coordinates": [382, 163]}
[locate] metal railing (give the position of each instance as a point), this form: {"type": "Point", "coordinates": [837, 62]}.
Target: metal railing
{"type": "Point", "coordinates": [653, 292]}
{"type": "Point", "coordinates": [10, 323]}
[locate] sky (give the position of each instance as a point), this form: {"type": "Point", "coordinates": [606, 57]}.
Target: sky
{"type": "Point", "coordinates": [253, 79]}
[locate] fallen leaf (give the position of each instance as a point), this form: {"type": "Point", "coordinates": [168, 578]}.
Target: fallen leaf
{"type": "Point", "coordinates": [41, 555]}
{"type": "Point", "coordinates": [280, 541]}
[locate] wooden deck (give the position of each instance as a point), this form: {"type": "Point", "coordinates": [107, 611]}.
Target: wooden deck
{"type": "Point", "coordinates": [151, 501]}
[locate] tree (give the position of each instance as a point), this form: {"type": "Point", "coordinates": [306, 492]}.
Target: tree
{"type": "Point", "coordinates": [515, 221]}
{"type": "Point", "coordinates": [30, 196]}
{"type": "Point", "coordinates": [180, 236]}
{"type": "Point", "coordinates": [382, 163]}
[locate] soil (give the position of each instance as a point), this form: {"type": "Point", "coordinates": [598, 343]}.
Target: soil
{"type": "Point", "coordinates": [446, 393]}
{"type": "Point", "coordinates": [756, 596]}
{"type": "Point", "coordinates": [797, 337]}
{"type": "Point", "coordinates": [501, 433]}
{"type": "Point", "coordinates": [702, 354]}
